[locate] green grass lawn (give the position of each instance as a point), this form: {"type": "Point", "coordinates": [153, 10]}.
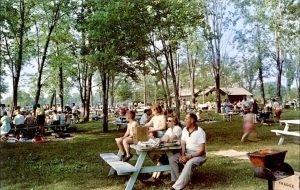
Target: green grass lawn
{"type": "Point", "coordinates": [75, 164]}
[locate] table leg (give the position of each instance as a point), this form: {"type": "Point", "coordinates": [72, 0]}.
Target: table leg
{"type": "Point", "coordinates": [112, 171]}
{"type": "Point", "coordinates": [281, 140]}
{"type": "Point", "coordinates": [138, 166]}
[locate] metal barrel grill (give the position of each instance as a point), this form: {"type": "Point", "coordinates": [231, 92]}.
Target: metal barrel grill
{"type": "Point", "coordinates": [269, 164]}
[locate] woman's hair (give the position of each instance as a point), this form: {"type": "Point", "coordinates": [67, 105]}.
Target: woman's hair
{"type": "Point", "coordinates": [158, 109]}
{"type": "Point", "coordinates": [193, 116]}
{"type": "Point", "coordinates": [131, 114]}
{"type": "Point", "coordinates": [176, 120]}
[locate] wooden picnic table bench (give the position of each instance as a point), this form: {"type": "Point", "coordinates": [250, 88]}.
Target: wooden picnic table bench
{"type": "Point", "coordinates": [124, 168]}
{"type": "Point", "coordinates": [285, 131]}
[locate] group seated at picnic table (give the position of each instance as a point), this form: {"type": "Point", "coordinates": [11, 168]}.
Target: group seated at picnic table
{"type": "Point", "coordinates": [26, 123]}
{"type": "Point", "coordinates": [164, 127]}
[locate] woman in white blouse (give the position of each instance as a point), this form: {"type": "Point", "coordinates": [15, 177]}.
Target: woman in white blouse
{"type": "Point", "coordinates": [157, 125]}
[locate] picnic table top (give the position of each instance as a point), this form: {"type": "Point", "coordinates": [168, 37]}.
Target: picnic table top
{"type": "Point", "coordinates": [294, 121]}
{"type": "Point", "coordinates": [139, 148]}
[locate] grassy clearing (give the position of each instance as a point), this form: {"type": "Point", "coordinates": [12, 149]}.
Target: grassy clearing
{"type": "Point", "coordinates": [75, 164]}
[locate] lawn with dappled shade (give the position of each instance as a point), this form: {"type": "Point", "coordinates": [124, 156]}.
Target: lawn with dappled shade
{"type": "Point", "coordinates": [75, 164]}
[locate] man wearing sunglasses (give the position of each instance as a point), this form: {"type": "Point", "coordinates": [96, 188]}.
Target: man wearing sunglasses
{"type": "Point", "coordinates": [193, 141]}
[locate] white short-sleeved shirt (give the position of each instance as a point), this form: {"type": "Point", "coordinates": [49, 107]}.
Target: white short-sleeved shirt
{"type": "Point", "coordinates": [176, 130]}
{"type": "Point", "coordinates": [193, 140]}
{"type": "Point", "coordinates": [276, 105]}
{"type": "Point", "coordinates": [19, 119]}
{"type": "Point", "coordinates": [144, 119]}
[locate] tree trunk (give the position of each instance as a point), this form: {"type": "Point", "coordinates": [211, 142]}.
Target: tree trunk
{"type": "Point", "coordinates": [52, 99]}
{"type": "Point", "coordinates": [145, 88]}
{"type": "Point", "coordinates": [19, 62]}
{"type": "Point", "coordinates": [41, 65]}
{"type": "Point", "coordinates": [61, 88]}
{"type": "Point", "coordinates": [112, 91]}
{"type": "Point", "coordinates": [279, 69]}
{"type": "Point", "coordinates": [218, 93]}
{"type": "Point", "coordinates": [105, 90]}
{"type": "Point", "coordinates": [88, 99]}
{"type": "Point", "coordinates": [171, 65]}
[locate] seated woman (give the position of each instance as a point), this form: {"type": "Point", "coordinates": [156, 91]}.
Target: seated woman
{"type": "Point", "coordinates": [124, 142]}
{"type": "Point", "coordinates": [172, 134]}
{"type": "Point", "coordinates": [157, 124]}
{"type": "Point", "coordinates": [174, 130]}
{"type": "Point", "coordinates": [5, 127]}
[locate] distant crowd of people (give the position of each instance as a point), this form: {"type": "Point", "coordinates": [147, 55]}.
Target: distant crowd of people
{"type": "Point", "coordinates": [38, 116]}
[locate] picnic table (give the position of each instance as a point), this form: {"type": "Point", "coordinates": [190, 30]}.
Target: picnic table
{"type": "Point", "coordinates": [121, 122]}
{"type": "Point", "coordinates": [286, 131]}
{"type": "Point", "coordinates": [228, 116]}
{"type": "Point", "coordinates": [125, 168]}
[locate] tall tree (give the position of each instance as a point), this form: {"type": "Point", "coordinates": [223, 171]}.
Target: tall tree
{"type": "Point", "coordinates": [213, 32]}
{"type": "Point", "coordinates": [15, 26]}
{"type": "Point", "coordinates": [118, 32]}
{"type": "Point", "coordinates": [174, 22]}
{"type": "Point", "coordinates": [52, 12]}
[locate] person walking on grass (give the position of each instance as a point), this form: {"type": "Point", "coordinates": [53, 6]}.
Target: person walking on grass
{"type": "Point", "coordinates": [124, 142]}
{"type": "Point", "coordinates": [193, 151]}
{"type": "Point", "coordinates": [249, 127]}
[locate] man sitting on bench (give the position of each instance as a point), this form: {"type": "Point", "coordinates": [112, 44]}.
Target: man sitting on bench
{"type": "Point", "coordinates": [192, 154]}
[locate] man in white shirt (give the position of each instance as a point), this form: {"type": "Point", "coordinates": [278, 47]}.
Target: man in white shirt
{"type": "Point", "coordinates": [19, 121]}
{"type": "Point", "coordinates": [145, 117]}
{"type": "Point", "coordinates": [193, 150]}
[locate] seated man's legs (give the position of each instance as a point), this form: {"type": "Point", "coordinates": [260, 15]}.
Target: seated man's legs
{"type": "Point", "coordinates": [186, 174]}
{"type": "Point", "coordinates": [174, 166]}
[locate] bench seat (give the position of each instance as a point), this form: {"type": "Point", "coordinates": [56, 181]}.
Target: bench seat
{"type": "Point", "coordinates": [122, 168]}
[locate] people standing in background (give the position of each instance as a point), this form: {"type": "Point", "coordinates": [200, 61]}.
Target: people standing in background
{"type": "Point", "coordinates": [254, 110]}
{"type": "Point", "coordinates": [227, 105]}
{"type": "Point", "coordinates": [246, 105]}
{"type": "Point", "coordinates": [61, 118]}
{"type": "Point", "coordinates": [40, 118]}
{"type": "Point", "coordinates": [277, 109]}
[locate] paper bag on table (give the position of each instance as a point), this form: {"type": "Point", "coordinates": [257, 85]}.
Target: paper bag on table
{"type": "Point", "coordinates": [140, 134]}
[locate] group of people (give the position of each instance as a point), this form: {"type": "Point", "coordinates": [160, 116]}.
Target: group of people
{"type": "Point", "coordinates": [166, 127]}
{"type": "Point", "coordinates": [18, 119]}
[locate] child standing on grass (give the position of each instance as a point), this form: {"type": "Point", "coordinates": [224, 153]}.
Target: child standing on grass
{"type": "Point", "coordinates": [249, 127]}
